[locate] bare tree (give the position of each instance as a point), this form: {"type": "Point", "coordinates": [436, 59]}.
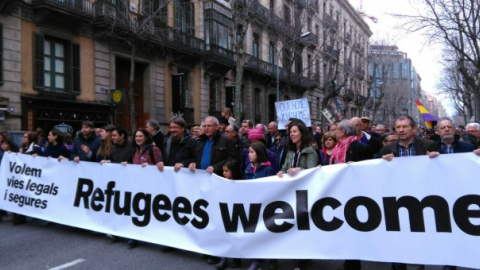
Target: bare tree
{"type": "Point", "coordinates": [455, 23]}
{"type": "Point", "coordinates": [133, 26]}
{"type": "Point", "coordinates": [452, 85]}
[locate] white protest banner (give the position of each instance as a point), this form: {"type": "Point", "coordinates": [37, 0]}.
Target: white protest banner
{"type": "Point", "coordinates": [297, 108]}
{"type": "Point", "coordinates": [412, 210]}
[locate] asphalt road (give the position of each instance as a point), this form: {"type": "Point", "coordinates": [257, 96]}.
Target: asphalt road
{"type": "Point", "coordinates": [37, 246]}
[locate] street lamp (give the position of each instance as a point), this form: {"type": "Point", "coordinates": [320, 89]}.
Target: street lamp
{"type": "Point", "coordinates": [278, 60]}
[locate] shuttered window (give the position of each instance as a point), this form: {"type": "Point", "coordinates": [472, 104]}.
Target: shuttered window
{"type": "Point", "coordinates": [56, 64]}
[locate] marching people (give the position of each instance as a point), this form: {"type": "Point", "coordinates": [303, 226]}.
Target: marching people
{"type": "Point", "coordinates": [56, 146]}
{"type": "Point", "coordinates": [329, 141]}
{"type": "Point", "coordinates": [180, 149]}
{"type": "Point", "coordinates": [215, 149]}
{"type": "Point", "coordinates": [122, 148]}
{"type": "Point", "coordinates": [259, 167]}
{"type": "Point", "coordinates": [272, 133]}
{"type": "Point", "coordinates": [104, 150]}
{"type": "Point", "coordinates": [300, 156]}
{"type": "Point", "coordinates": [146, 153]}
{"type": "Point", "coordinates": [86, 144]}
{"type": "Point", "coordinates": [348, 149]}
{"type": "Point", "coordinates": [408, 144]}
{"type": "Point", "coordinates": [232, 132]}
{"type": "Point", "coordinates": [231, 171]}
{"type": "Point", "coordinates": [29, 147]}
{"type": "Point", "coordinates": [153, 127]}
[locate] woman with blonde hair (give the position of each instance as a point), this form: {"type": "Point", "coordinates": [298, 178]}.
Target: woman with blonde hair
{"type": "Point", "coordinates": [227, 114]}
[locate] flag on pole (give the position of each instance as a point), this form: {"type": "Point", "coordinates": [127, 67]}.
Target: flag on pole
{"type": "Point", "coordinates": [430, 121]}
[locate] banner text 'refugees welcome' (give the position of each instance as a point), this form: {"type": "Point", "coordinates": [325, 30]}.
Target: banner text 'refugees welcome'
{"type": "Point", "coordinates": [281, 216]}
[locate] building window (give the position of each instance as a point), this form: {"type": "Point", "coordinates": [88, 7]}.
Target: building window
{"type": "Point", "coordinates": [185, 17]}
{"type": "Point", "coordinates": [298, 63]}
{"type": "Point", "coordinates": [286, 15]}
{"type": "Point", "coordinates": [271, 53]}
{"type": "Point", "coordinates": [56, 64]}
{"type": "Point", "coordinates": [272, 6]}
{"type": "Point", "coordinates": [214, 95]}
{"type": "Point", "coordinates": [181, 93]}
{"type": "Point", "coordinates": [256, 39]}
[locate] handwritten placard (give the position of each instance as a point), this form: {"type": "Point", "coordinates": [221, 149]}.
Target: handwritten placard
{"type": "Point", "coordinates": [297, 108]}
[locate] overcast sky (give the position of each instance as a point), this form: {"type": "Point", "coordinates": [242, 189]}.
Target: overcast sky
{"type": "Point", "coordinates": [424, 56]}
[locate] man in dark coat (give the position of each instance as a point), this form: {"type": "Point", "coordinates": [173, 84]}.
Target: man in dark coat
{"type": "Point", "coordinates": [153, 127]}
{"type": "Point", "coordinates": [122, 148]}
{"type": "Point", "coordinates": [86, 144]}
{"type": "Point", "coordinates": [215, 149]}
{"type": "Point", "coordinates": [408, 144]}
{"type": "Point", "coordinates": [180, 148]}
{"type": "Point", "coordinates": [448, 143]}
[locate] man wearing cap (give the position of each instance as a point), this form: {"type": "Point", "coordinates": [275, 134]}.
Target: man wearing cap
{"type": "Point", "coordinates": [222, 124]}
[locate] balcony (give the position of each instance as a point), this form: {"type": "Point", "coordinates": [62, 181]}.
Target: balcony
{"type": "Point", "coordinates": [264, 68]}
{"type": "Point", "coordinates": [348, 38]}
{"type": "Point", "coordinates": [70, 7]}
{"type": "Point", "coordinates": [331, 53]}
{"type": "Point", "coordinates": [218, 59]}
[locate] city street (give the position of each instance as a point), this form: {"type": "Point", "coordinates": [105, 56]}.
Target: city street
{"type": "Point", "coordinates": [39, 246]}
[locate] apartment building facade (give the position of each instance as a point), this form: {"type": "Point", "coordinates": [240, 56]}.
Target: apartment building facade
{"type": "Point", "coordinates": [69, 61]}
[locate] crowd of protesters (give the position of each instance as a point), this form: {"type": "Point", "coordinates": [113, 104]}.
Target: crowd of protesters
{"type": "Point", "coordinates": [240, 150]}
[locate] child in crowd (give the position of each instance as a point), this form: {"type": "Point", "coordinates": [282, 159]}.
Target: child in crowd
{"type": "Point", "coordinates": [259, 167]}
{"type": "Point", "coordinates": [231, 170]}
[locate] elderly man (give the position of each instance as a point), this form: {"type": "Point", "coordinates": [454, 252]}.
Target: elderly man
{"type": "Point", "coordinates": [180, 148]}
{"type": "Point", "coordinates": [448, 144]}
{"type": "Point", "coordinates": [272, 132]}
{"type": "Point", "coordinates": [380, 129]}
{"type": "Point", "coordinates": [373, 143]}
{"type": "Point", "coordinates": [153, 127]}
{"type": "Point", "coordinates": [215, 149]}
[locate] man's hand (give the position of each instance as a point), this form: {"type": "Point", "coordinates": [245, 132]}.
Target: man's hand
{"type": "Point", "coordinates": [433, 154]}
{"type": "Point", "coordinates": [191, 167]}
{"type": "Point", "coordinates": [209, 169]}
{"type": "Point", "coordinates": [388, 157]}
{"type": "Point", "coordinates": [160, 166]}
{"type": "Point", "coordinates": [177, 167]}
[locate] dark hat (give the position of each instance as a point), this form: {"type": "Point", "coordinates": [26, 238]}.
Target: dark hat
{"type": "Point", "coordinates": [223, 120]}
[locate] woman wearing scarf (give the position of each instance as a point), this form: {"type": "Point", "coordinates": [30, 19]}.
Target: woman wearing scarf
{"type": "Point", "coordinates": [349, 149]}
